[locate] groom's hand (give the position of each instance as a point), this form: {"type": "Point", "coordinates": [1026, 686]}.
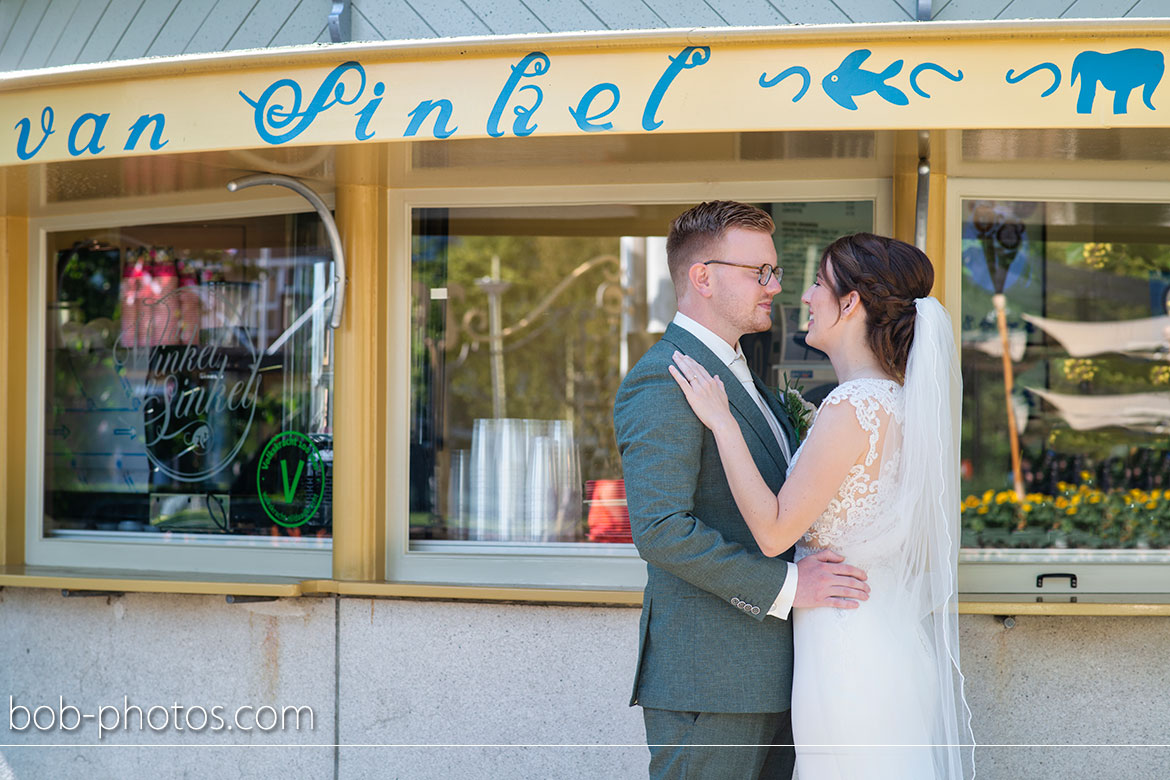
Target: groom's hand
{"type": "Point", "coordinates": [824, 581]}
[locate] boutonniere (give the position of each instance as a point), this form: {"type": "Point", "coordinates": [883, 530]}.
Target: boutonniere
{"type": "Point", "coordinates": [799, 410]}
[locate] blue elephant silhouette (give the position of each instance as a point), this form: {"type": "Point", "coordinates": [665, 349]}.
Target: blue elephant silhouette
{"type": "Point", "coordinates": [849, 80]}
{"type": "Point", "coordinates": [1119, 71]}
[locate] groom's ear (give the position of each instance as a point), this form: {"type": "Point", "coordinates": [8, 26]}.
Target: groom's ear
{"type": "Point", "coordinates": [700, 279]}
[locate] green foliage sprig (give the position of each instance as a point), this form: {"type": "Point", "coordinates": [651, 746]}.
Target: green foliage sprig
{"type": "Point", "coordinates": [799, 410]}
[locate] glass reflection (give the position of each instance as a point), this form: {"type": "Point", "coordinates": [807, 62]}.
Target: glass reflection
{"type": "Point", "coordinates": [178, 356]}
{"type": "Point", "coordinates": [525, 321]}
{"type": "Point", "coordinates": [1066, 368]}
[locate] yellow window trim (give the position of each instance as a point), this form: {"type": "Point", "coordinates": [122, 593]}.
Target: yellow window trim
{"type": "Point", "coordinates": [275, 587]}
{"type": "Point", "coordinates": [147, 582]}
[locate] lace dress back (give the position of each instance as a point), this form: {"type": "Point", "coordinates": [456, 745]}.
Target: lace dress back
{"type": "Point", "coordinates": [860, 515]}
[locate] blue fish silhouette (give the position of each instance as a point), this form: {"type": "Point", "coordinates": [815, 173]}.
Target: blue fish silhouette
{"type": "Point", "coordinates": [849, 81]}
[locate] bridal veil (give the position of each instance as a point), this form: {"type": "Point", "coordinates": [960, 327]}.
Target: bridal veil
{"type": "Point", "coordinates": [928, 500]}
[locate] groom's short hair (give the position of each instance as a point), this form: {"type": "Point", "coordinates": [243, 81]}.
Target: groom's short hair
{"type": "Point", "coordinates": [694, 232]}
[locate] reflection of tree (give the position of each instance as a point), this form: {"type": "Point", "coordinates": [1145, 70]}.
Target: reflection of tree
{"type": "Point", "coordinates": [560, 337]}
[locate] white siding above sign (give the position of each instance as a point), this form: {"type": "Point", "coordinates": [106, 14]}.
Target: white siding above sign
{"type": "Point", "coordinates": [555, 86]}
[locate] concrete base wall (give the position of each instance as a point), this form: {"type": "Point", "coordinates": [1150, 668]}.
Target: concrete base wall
{"type": "Point", "coordinates": [392, 679]}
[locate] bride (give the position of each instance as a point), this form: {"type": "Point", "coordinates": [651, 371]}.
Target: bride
{"type": "Point", "coordinates": [877, 691]}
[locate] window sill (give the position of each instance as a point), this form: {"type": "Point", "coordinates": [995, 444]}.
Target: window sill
{"type": "Point", "coordinates": [148, 582]}
{"type": "Point", "coordinates": [1086, 604]}
{"type": "Point", "coordinates": [1106, 604]}
{"type": "Point", "coordinates": [410, 590]}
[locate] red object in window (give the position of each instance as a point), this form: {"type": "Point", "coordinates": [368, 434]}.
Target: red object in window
{"type": "Point", "coordinates": [609, 517]}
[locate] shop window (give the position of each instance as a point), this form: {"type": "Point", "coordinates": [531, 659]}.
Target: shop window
{"type": "Point", "coordinates": [525, 321]}
{"type": "Point", "coordinates": [1084, 319]}
{"type": "Point", "coordinates": [188, 397]}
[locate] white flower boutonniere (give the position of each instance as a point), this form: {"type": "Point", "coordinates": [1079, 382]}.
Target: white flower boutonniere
{"type": "Point", "coordinates": [800, 410]}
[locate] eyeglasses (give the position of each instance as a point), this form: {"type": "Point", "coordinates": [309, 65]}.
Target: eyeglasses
{"type": "Point", "coordinates": [764, 273]}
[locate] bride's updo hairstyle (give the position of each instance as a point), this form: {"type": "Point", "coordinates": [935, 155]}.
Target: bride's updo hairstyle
{"type": "Point", "coordinates": [888, 275]}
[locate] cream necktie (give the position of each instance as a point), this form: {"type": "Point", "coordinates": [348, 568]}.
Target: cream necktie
{"type": "Point", "coordinates": [739, 367]}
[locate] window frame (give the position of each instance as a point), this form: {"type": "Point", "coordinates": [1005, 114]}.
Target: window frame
{"type": "Point", "coordinates": [613, 567]}
{"type": "Point", "coordinates": [247, 556]}
{"type": "Point", "coordinates": [1124, 575]}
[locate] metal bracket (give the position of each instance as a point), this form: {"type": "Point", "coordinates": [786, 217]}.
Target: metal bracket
{"type": "Point", "coordinates": [247, 599]}
{"type": "Point", "coordinates": [302, 189]}
{"type": "Point", "coordinates": [73, 594]}
{"type": "Point", "coordinates": [925, 10]}
{"type": "Point", "coordinates": [922, 196]}
{"type": "Point", "coordinates": [340, 30]}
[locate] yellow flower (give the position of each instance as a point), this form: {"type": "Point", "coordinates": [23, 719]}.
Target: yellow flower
{"type": "Point", "coordinates": [1086, 476]}
{"type": "Point", "coordinates": [988, 495]}
{"type": "Point", "coordinates": [1072, 510]}
{"type": "Point", "coordinates": [1151, 505]}
{"type": "Point", "coordinates": [1026, 507]}
{"type": "Point", "coordinates": [982, 510]}
{"type": "Point", "coordinates": [1061, 502]}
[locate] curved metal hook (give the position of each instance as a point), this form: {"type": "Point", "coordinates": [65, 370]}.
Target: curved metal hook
{"type": "Point", "coordinates": [302, 189]}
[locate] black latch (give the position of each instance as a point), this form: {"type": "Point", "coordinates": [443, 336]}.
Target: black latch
{"type": "Point", "coordinates": [1072, 579]}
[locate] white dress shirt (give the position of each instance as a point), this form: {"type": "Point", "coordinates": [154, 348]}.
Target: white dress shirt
{"type": "Point", "coordinates": [734, 359]}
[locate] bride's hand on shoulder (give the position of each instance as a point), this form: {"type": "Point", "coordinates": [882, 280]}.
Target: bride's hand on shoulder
{"type": "Point", "coordinates": [704, 393]}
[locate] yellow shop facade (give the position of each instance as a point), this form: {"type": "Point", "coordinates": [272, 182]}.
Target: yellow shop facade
{"type": "Point", "coordinates": [334, 332]}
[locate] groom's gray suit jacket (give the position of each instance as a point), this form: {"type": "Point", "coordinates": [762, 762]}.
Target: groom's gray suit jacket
{"type": "Point", "coordinates": [705, 643]}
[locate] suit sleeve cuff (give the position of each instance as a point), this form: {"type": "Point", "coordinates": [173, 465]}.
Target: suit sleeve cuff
{"type": "Point", "coordinates": [783, 603]}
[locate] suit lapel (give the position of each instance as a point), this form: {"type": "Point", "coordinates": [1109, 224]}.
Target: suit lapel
{"type": "Point", "coordinates": [737, 396]}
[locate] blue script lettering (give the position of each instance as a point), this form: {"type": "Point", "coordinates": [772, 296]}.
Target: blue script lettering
{"type": "Point", "coordinates": [522, 126]}
{"type": "Point", "coordinates": [93, 146]}
{"type": "Point", "coordinates": [25, 128]}
{"type": "Point", "coordinates": [588, 122]}
{"type": "Point", "coordinates": [139, 127]}
{"type": "Point", "coordinates": [423, 110]}
{"type": "Point", "coordinates": [271, 118]}
{"type": "Point", "coordinates": [690, 57]}
{"type": "Point", "coordinates": [367, 113]}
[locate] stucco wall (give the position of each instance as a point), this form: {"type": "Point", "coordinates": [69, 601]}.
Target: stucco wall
{"type": "Point", "coordinates": [441, 673]}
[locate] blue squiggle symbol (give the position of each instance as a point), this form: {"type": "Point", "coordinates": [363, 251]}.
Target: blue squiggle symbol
{"type": "Point", "coordinates": [795, 70]}
{"type": "Point", "coordinates": [270, 117]}
{"type": "Point", "coordinates": [1013, 79]}
{"type": "Point", "coordinates": [957, 76]}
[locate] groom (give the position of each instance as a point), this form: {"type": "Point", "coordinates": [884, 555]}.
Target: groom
{"type": "Point", "coordinates": [715, 655]}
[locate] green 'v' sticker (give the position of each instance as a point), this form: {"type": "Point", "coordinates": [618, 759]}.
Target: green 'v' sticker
{"type": "Point", "coordinates": [290, 503]}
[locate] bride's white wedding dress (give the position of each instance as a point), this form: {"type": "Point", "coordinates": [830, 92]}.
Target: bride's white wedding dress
{"type": "Point", "coordinates": [876, 691]}
{"type": "Point", "coordinates": [863, 677]}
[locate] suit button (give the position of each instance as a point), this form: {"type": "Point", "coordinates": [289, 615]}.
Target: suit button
{"type": "Point", "coordinates": [745, 607]}
{"type": "Point", "coordinates": [736, 602]}
{"type": "Point", "coordinates": [755, 610]}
